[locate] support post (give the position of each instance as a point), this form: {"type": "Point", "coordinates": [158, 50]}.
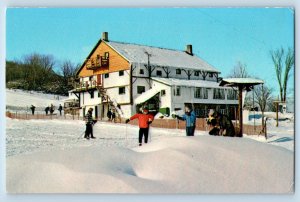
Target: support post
{"type": "Point", "coordinates": [240, 111]}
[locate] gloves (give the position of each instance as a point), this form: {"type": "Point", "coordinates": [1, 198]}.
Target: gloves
{"type": "Point", "coordinates": [174, 116]}
{"type": "Point", "coordinates": [149, 122]}
{"type": "Point", "coordinates": [127, 120]}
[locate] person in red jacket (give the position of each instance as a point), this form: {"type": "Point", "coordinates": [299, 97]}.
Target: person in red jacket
{"type": "Point", "coordinates": [145, 119]}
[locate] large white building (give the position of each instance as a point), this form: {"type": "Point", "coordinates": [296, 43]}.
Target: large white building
{"type": "Point", "coordinates": [125, 76]}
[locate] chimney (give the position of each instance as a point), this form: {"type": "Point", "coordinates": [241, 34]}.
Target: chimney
{"type": "Point", "coordinates": [189, 49]}
{"type": "Point", "coordinates": [105, 36]}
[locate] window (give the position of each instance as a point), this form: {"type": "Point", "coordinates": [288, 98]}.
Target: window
{"type": "Point", "coordinates": [201, 93]}
{"type": "Point", "coordinates": [90, 78]}
{"type": "Point", "coordinates": [232, 94]}
{"type": "Point", "coordinates": [92, 94]}
{"type": "Point", "coordinates": [106, 75]}
{"type": "Point", "coordinates": [141, 71]}
{"type": "Point", "coordinates": [219, 94]}
{"type": "Point", "coordinates": [162, 92]}
{"type": "Point", "coordinates": [140, 89]}
{"type": "Point", "coordinates": [158, 73]}
{"type": "Point", "coordinates": [211, 75]}
{"type": "Point", "coordinates": [121, 90]}
{"type": "Point", "coordinates": [106, 55]}
{"type": "Point", "coordinates": [178, 71]}
{"type": "Point", "coordinates": [177, 91]}
{"type": "Point", "coordinates": [196, 73]}
{"type": "Point", "coordinates": [121, 73]}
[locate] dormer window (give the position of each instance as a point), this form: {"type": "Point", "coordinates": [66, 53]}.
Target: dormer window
{"type": "Point", "coordinates": [211, 75]}
{"type": "Point", "coordinates": [141, 71]}
{"type": "Point", "coordinates": [178, 71]}
{"type": "Point", "coordinates": [196, 73]}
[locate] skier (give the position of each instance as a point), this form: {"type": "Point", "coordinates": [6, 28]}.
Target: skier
{"type": "Point", "coordinates": [145, 119]}
{"type": "Point", "coordinates": [60, 109]}
{"type": "Point", "coordinates": [47, 110]}
{"type": "Point", "coordinates": [89, 124]}
{"type": "Point", "coordinates": [190, 118]}
{"type": "Point", "coordinates": [32, 109]}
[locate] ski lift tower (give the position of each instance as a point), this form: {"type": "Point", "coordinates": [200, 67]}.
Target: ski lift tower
{"type": "Point", "coordinates": [242, 84]}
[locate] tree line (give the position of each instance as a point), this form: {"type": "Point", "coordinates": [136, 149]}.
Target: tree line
{"type": "Point", "coordinates": [37, 72]}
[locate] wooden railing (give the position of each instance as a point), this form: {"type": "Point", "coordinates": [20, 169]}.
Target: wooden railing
{"type": "Point", "coordinates": [94, 63]}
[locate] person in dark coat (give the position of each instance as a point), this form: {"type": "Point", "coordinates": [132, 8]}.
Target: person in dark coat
{"type": "Point", "coordinates": [51, 109]}
{"type": "Point", "coordinates": [190, 118]}
{"type": "Point", "coordinates": [113, 116]}
{"type": "Point", "coordinates": [214, 128]}
{"type": "Point", "coordinates": [47, 110]}
{"type": "Point", "coordinates": [60, 109]}
{"type": "Point", "coordinates": [225, 124]}
{"type": "Point", "coordinates": [89, 122]}
{"type": "Point", "coordinates": [32, 109]}
{"type": "Point", "coordinates": [109, 115]}
{"type": "Point", "coordinates": [145, 119]}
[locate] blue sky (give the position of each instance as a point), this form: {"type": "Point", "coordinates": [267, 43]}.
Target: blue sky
{"type": "Point", "coordinates": [221, 36]}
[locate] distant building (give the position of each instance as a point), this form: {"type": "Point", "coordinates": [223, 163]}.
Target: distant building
{"type": "Point", "coordinates": [127, 76]}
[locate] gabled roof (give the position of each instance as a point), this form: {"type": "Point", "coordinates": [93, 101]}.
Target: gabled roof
{"type": "Point", "coordinates": [138, 54]}
{"type": "Point", "coordinates": [160, 56]}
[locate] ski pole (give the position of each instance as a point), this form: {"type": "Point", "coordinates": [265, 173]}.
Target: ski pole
{"type": "Point", "coordinates": [81, 134]}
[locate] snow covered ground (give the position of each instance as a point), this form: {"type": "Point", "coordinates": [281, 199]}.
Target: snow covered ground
{"type": "Point", "coordinates": [49, 156]}
{"type": "Point", "coordinates": [22, 100]}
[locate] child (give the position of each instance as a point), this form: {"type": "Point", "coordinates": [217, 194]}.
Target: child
{"type": "Point", "coordinates": [145, 119]}
{"type": "Point", "coordinates": [190, 118]}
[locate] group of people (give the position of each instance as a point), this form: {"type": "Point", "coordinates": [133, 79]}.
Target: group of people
{"type": "Point", "coordinates": [219, 124]}
{"type": "Point", "coordinates": [48, 109]}
{"type": "Point", "coordinates": [51, 109]}
{"type": "Point", "coordinates": [111, 115]}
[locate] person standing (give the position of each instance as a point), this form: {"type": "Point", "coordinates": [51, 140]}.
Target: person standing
{"type": "Point", "coordinates": [109, 115]}
{"type": "Point", "coordinates": [89, 122]}
{"type": "Point", "coordinates": [47, 110]}
{"type": "Point", "coordinates": [60, 109]}
{"type": "Point", "coordinates": [51, 109]}
{"type": "Point", "coordinates": [113, 116]}
{"type": "Point", "coordinates": [190, 118]}
{"type": "Point", "coordinates": [32, 109]}
{"type": "Point", "coordinates": [145, 119]}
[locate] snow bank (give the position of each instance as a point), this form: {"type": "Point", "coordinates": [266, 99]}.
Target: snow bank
{"type": "Point", "coordinates": [202, 164]}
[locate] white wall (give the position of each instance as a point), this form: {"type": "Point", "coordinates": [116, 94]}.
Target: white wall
{"type": "Point", "coordinates": [113, 93]}
{"type": "Point", "coordinates": [115, 80]}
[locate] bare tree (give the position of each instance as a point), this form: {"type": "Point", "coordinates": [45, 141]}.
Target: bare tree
{"type": "Point", "coordinates": [239, 71]}
{"type": "Point", "coordinates": [279, 61]}
{"type": "Point", "coordinates": [263, 98]}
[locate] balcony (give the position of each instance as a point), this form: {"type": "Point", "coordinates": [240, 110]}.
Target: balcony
{"type": "Point", "coordinates": [95, 63]}
{"type": "Point", "coordinates": [87, 85]}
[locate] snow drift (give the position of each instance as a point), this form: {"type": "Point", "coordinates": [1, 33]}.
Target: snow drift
{"type": "Point", "coordinates": [201, 164]}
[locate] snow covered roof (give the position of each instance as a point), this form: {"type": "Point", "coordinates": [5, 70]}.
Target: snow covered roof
{"type": "Point", "coordinates": [146, 95]}
{"type": "Point", "coordinates": [237, 81]}
{"type": "Point", "coordinates": [138, 54]}
{"type": "Point", "coordinates": [189, 83]}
